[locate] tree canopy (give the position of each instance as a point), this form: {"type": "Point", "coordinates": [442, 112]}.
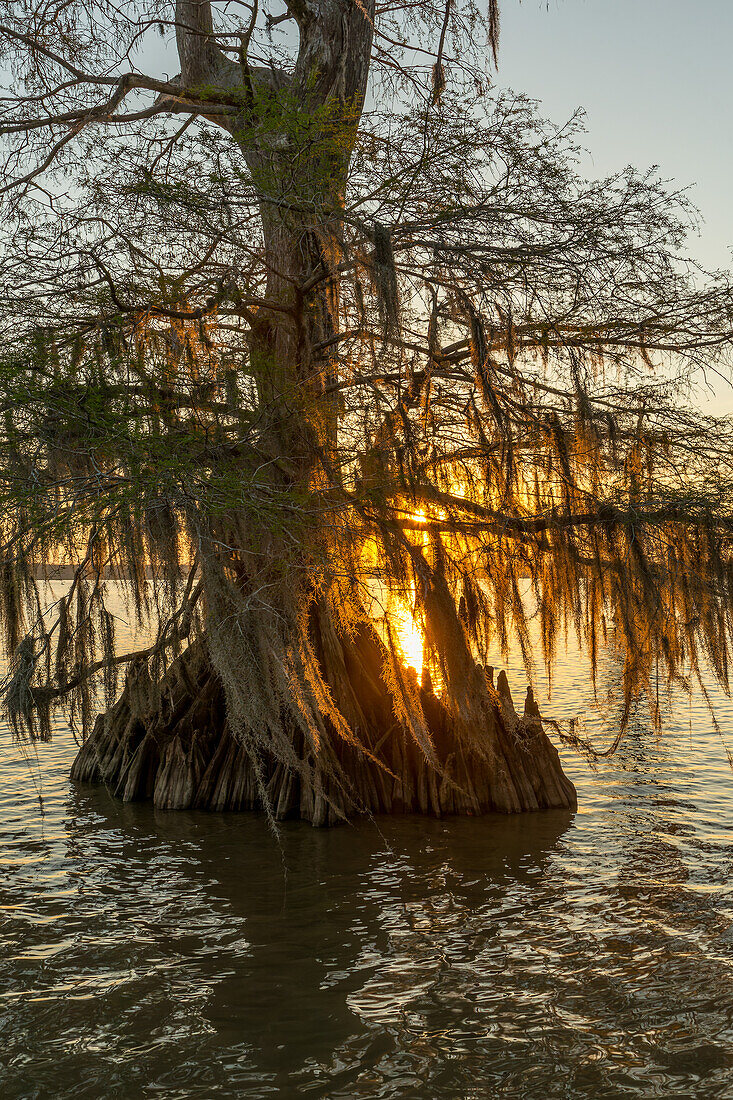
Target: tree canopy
{"type": "Point", "coordinates": [301, 308]}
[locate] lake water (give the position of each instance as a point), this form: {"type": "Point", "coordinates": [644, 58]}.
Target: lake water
{"type": "Point", "coordinates": [548, 955]}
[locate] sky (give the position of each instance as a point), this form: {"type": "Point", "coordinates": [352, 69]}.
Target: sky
{"type": "Point", "coordinates": [656, 81]}
{"type": "Point", "coordinates": [654, 77]}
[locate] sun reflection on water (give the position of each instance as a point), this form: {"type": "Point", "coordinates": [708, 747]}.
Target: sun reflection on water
{"type": "Point", "coordinates": [407, 626]}
{"type": "Point", "coordinates": [410, 637]}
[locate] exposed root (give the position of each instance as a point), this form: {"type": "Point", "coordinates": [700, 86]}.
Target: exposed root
{"type": "Point", "coordinates": [172, 743]}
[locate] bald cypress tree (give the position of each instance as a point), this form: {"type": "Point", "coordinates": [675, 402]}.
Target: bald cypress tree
{"type": "Point", "coordinates": [316, 327]}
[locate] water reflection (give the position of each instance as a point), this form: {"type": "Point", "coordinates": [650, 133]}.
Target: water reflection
{"type": "Point", "coordinates": [549, 955]}
{"type": "Point", "coordinates": [303, 964]}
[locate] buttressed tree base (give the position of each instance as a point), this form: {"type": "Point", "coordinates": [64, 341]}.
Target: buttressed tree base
{"type": "Point", "coordinates": [183, 755]}
{"type": "Point", "coordinates": [319, 330]}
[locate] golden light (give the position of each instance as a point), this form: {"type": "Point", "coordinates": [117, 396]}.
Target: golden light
{"type": "Point", "coordinates": [410, 638]}
{"type": "Point", "coordinates": [393, 613]}
{"type": "Point", "coordinates": [408, 629]}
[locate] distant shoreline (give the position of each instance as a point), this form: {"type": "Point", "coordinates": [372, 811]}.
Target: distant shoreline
{"type": "Point", "coordinates": [56, 572]}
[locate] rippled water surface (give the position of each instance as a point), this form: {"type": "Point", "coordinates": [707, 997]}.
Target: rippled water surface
{"type": "Point", "coordinates": [548, 955]}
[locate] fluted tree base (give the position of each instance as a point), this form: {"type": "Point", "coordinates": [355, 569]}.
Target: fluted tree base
{"type": "Point", "coordinates": [172, 744]}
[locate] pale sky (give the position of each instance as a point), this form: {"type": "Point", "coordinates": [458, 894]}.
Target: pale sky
{"type": "Point", "coordinates": [654, 76]}
{"type": "Point", "coordinates": [656, 80]}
